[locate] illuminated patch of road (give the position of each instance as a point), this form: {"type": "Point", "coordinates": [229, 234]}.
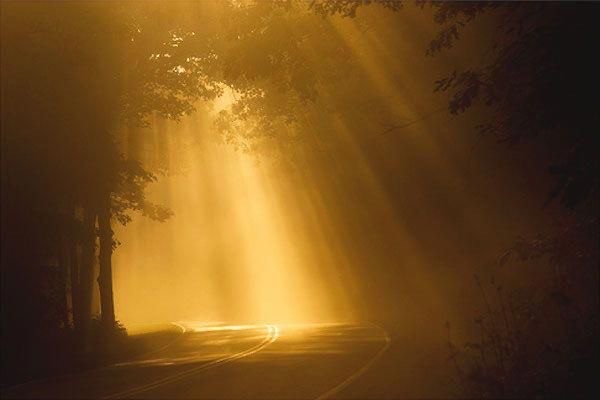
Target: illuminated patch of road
{"type": "Point", "coordinates": [272, 335]}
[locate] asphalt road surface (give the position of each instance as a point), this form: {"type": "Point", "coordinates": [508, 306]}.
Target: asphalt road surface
{"type": "Point", "coordinates": [232, 362]}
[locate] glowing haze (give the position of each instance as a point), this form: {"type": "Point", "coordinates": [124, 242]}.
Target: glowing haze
{"type": "Point", "coordinates": [236, 248]}
{"type": "Point", "coordinates": [382, 215]}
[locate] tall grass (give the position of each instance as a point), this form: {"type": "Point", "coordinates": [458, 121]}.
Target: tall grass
{"type": "Point", "coordinates": [535, 343]}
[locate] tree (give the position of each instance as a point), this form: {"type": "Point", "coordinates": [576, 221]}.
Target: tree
{"type": "Point", "coordinates": [63, 176]}
{"type": "Point", "coordinates": [539, 78]}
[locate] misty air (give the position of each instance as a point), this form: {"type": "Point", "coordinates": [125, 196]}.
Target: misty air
{"type": "Point", "coordinates": [289, 199]}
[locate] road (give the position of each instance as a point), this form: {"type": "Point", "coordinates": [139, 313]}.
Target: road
{"type": "Point", "coordinates": [314, 361]}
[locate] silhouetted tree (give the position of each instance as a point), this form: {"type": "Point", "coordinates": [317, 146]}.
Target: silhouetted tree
{"type": "Point", "coordinates": [539, 77]}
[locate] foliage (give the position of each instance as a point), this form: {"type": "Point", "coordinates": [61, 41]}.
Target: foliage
{"type": "Point", "coordinates": [454, 16]}
{"type": "Point", "coordinates": [130, 194]}
{"type": "Point", "coordinates": [348, 8]}
{"type": "Point", "coordinates": [538, 76]}
{"type": "Point", "coordinates": [167, 66]}
{"type": "Point", "coordinates": [541, 342]}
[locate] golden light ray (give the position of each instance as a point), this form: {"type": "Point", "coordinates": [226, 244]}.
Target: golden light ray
{"type": "Point", "coordinates": [386, 71]}
{"type": "Point", "coordinates": [228, 254]}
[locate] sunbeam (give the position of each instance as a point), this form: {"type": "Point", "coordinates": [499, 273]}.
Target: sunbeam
{"type": "Point", "coordinates": [234, 235]}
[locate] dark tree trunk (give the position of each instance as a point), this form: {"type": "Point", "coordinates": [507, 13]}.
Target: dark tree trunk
{"type": "Point", "coordinates": [74, 280]}
{"type": "Point", "coordinates": [105, 278]}
{"type": "Point", "coordinates": [64, 262]}
{"type": "Point", "coordinates": [86, 273]}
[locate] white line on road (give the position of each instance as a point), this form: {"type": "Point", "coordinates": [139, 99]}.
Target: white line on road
{"type": "Point", "coordinates": [171, 343]}
{"type": "Point", "coordinates": [272, 335]}
{"type": "Point", "coordinates": [360, 371]}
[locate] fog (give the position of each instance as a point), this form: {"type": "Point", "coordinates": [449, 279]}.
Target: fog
{"type": "Point", "coordinates": [238, 247]}
{"type": "Point", "coordinates": [357, 220]}
{"type": "Point", "coordinates": [424, 175]}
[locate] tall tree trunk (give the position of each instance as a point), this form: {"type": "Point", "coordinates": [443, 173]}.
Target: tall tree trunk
{"type": "Point", "coordinates": [74, 280]}
{"type": "Point", "coordinates": [105, 278]}
{"type": "Point", "coordinates": [64, 261]}
{"type": "Point", "coordinates": [86, 273]}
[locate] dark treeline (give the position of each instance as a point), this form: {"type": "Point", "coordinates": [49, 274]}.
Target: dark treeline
{"type": "Point", "coordinates": [79, 77]}
{"type": "Point", "coordinates": [538, 79]}
{"type": "Point", "coordinates": [67, 88]}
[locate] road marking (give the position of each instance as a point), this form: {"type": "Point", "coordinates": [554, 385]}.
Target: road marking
{"type": "Point", "coordinates": [360, 371]}
{"type": "Point", "coordinates": [272, 335]}
{"type": "Point", "coordinates": [183, 329]}
{"type": "Point", "coordinates": [137, 359]}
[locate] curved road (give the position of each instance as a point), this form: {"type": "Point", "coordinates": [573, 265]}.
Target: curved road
{"type": "Point", "coordinates": [232, 362]}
